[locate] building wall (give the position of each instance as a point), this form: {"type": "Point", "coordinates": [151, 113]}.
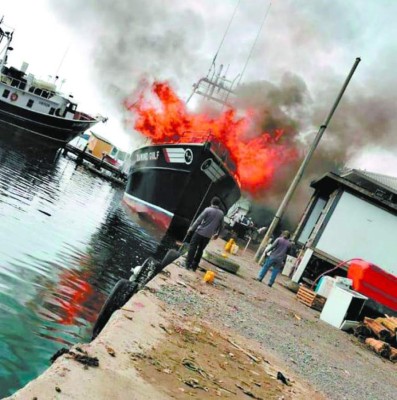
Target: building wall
{"type": "Point", "coordinates": [98, 147]}
{"type": "Point", "coordinates": [359, 229]}
{"type": "Point", "coordinates": [311, 219]}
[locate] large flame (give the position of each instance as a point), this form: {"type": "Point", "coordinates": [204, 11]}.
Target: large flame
{"type": "Point", "coordinates": [257, 155]}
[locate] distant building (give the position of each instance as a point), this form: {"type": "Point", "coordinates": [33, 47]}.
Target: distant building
{"type": "Point", "coordinates": [100, 147]}
{"type": "Point", "coordinates": [351, 215]}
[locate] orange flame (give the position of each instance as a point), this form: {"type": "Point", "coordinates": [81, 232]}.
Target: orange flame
{"type": "Point", "coordinates": [257, 155]}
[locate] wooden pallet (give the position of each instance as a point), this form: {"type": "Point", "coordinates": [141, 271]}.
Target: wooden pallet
{"type": "Point", "coordinates": [310, 298]}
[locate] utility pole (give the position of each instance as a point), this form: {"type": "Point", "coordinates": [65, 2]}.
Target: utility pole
{"type": "Point", "coordinates": [305, 162]}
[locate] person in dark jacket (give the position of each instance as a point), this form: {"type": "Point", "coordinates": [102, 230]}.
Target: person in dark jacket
{"type": "Point", "coordinates": [208, 224]}
{"type": "Point", "coordinates": [276, 259]}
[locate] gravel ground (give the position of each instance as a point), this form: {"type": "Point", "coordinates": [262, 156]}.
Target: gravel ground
{"type": "Point", "coordinates": [332, 361]}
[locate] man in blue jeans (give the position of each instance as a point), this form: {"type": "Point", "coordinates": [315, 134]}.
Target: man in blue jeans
{"type": "Point", "coordinates": [209, 224]}
{"type": "Point", "coordinates": [279, 250]}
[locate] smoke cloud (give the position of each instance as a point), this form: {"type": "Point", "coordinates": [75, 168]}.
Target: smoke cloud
{"type": "Point", "coordinates": [304, 51]}
{"type": "Point", "coordinates": [136, 38]}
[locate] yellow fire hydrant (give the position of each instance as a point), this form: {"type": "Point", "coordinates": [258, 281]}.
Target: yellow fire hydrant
{"type": "Point", "coordinates": [229, 244]}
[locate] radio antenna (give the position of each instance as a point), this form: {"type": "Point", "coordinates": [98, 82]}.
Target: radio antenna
{"type": "Point", "coordinates": [224, 36]}
{"type": "Point", "coordinates": [254, 44]}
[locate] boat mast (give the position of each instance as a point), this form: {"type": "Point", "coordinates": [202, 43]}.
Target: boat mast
{"type": "Point", "coordinates": [215, 86]}
{"type": "Point", "coordinates": [254, 44]}
{"type": "Point", "coordinates": [8, 37]}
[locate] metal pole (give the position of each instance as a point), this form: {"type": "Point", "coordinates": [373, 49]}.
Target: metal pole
{"type": "Point", "coordinates": [302, 168]}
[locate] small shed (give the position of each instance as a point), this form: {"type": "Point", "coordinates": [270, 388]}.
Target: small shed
{"type": "Point", "coordinates": [97, 145]}
{"type": "Point", "coordinates": [350, 215]}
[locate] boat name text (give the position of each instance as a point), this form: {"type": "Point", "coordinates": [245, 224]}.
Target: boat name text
{"type": "Point", "coordinates": [151, 155]}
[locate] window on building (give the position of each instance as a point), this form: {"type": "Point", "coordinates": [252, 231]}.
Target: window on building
{"type": "Point", "coordinates": [30, 103]}
{"type": "Point", "coordinates": [52, 111]}
{"type": "Point", "coordinates": [6, 93]}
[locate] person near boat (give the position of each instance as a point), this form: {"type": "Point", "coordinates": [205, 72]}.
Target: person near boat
{"type": "Point", "coordinates": [208, 225]}
{"type": "Point", "coordinates": [279, 251]}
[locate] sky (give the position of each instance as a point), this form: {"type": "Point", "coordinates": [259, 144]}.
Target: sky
{"type": "Point", "coordinates": [103, 49]}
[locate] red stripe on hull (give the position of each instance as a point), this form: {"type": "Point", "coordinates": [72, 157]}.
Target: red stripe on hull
{"type": "Point", "coordinates": [153, 215]}
{"type": "Point", "coordinates": [166, 155]}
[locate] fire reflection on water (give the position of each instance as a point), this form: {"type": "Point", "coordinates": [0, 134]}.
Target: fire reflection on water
{"type": "Point", "coordinates": [65, 240]}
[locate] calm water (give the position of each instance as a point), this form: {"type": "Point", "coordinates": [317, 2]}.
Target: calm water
{"type": "Point", "coordinates": [65, 239]}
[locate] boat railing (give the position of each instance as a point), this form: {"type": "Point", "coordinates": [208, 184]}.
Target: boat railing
{"type": "Point", "coordinates": [80, 116]}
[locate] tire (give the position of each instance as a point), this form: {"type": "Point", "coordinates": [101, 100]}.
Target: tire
{"type": "Point", "coordinates": [170, 257]}
{"type": "Point", "coordinates": [221, 262]}
{"type": "Point", "coordinates": [120, 294]}
{"type": "Point", "coordinates": [150, 268]}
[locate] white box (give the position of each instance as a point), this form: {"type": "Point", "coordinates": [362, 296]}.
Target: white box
{"type": "Point", "coordinates": [288, 266]}
{"type": "Point", "coordinates": [341, 281]}
{"type": "Point", "coordinates": [342, 307]}
{"type": "Point", "coordinates": [325, 286]}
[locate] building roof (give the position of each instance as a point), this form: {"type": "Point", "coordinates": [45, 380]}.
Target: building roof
{"type": "Point", "coordinates": [101, 138]}
{"type": "Point", "coordinates": [387, 181]}
{"type": "Point", "coordinates": [381, 189]}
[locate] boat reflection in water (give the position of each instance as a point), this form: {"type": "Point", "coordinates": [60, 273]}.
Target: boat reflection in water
{"type": "Point", "coordinates": [65, 240]}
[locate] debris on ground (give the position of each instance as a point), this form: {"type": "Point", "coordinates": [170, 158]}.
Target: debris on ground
{"type": "Point", "coordinates": [58, 354]}
{"type": "Point", "coordinates": [204, 361]}
{"type": "Point", "coordinates": [110, 351]}
{"type": "Point", "coordinates": [248, 392]}
{"type": "Point", "coordinates": [380, 335]}
{"type": "Point", "coordinates": [282, 378]}
{"type": "Point", "coordinates": [83, 358]}
{"type": "Point", "coordinates": [257, 360]}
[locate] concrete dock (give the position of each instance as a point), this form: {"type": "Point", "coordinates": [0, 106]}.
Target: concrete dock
{"type": "Point", "coordinates": [183, 338]}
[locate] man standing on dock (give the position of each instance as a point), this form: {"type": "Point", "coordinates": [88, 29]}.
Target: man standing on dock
{"type": "Point", "coordinates": [209, 224]}
{"type": "Point", "coordinates": [279, 250]}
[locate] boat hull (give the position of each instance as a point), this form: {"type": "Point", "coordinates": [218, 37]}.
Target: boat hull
{"type": "Point", "coordinates": [58, 130]}
{"type": "Point", "coordinates": [170, 185]}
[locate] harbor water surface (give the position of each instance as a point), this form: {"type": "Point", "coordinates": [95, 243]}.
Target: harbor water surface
{"type": "Point", "coordinates": [65, 240]}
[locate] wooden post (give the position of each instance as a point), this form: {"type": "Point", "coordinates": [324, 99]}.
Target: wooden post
{"type": "Point", "coordinates": [378, 329]}
{"type": "Point", "coordinates": [379, 347]}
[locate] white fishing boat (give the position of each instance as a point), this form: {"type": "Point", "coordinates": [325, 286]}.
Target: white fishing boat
{"type": "Point", "coordinates": [37, 106]}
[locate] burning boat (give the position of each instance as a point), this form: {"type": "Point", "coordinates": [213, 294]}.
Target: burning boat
{"type": "Point", "coordinates": [170, 184]}
{"type": "Point", "coordinates": [36, 106]}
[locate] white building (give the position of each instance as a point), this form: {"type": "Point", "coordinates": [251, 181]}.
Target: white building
{"type": "Point", "coordinates": [352, 215]}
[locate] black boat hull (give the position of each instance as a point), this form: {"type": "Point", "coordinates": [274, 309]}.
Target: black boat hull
{"type": "Point", "coordinates": [171, 184]}
{"type": "Point", "coordinates": [58, 130]}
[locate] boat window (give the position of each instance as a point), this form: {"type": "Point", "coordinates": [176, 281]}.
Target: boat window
{"type": "Point", "coordinates": [45, 94]}
{"type": "Point", "coordinates": [6, 93]}
{"type": "Point", "coordinates": [30, 103]}
{"type": "Point", "coordinates": [31, 89]}
{"type": "Point", "coordinates": [38, 91]}
{"type": "Point", "coordinates": [52, 111]}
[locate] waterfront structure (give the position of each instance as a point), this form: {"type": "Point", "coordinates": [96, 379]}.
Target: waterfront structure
{"type": "Point", "coordinates": [350, 215]}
